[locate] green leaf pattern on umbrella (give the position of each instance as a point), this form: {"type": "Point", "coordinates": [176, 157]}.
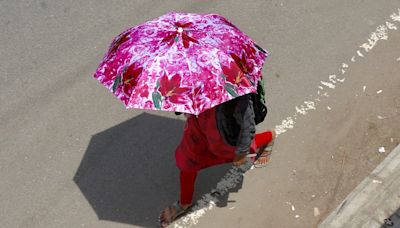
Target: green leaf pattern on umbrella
{"type": "Point", "coordinates": [116, 83]}
{"type": "Point", "coordinates": [157, 100]}
{"type": "Point", "coordinates": [230, 89]}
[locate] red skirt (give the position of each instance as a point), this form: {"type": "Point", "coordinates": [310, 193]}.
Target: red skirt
{"type": "Point", "coordinates": [202, 145]}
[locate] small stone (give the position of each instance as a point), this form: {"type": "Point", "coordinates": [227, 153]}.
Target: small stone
{"type": "Point", "coordinates": [388, 222]}
{"type": "Point", "coordinates": [297, 216]}
{"type": "Point", "coordinates": [379, 91]}
{"type": "Point", "coordinates": [381, 149]}
{"type": "Point", "coordinates": [293, 209]}
{"type": "Point", "coordinates": [316, 212]}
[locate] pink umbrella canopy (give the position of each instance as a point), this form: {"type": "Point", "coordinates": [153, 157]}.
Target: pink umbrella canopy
{"type": "Point", "coordinates": [181, 62]}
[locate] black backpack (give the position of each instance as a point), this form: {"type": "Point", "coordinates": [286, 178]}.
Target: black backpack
{"type": "Point", "coordinates": [258, 99]}
{"type": "Point", "coordinates": [260, 110]}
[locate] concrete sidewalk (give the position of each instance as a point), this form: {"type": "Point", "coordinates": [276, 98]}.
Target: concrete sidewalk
{"type": "Point", "coordinates": [375, 199]}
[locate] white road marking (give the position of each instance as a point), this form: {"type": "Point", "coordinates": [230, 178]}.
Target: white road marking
{"type": "Point", "coordinates": [395, 17]}
{"type": "Point", "coordinates": [327, 84]}
{"type": "Point", "coordinates": [341, 80]}
{"type": "Point", "coordinates": [332, 78]}
{"type": "Point", "coordinates": [360, 54]}
{"type": "Point", "coordinates": [235, 174]}
{"type": "Point", "coordinates": [391, 26]}
{"type": "Point", "coordinates": [376, 181]}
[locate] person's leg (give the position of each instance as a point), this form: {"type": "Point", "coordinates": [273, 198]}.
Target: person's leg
{"type": "Point", "coordinates": [264, 142]}
{"type": "Point", "coordinates": [187, 181]}
{"type": "Point", "coordinates": [262, 139]}
{"type": "Point", "coordinates": [187, 161]}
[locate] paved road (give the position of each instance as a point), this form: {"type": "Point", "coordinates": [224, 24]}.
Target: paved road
{"type": "Point", "coordinates": [71, 156]}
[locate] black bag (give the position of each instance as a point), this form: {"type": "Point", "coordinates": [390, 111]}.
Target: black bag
{"type": "Point", "coordinates": [260, 110]}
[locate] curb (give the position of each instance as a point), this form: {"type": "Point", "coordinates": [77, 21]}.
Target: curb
{"type": "Point", "coordinates": [375, 199]}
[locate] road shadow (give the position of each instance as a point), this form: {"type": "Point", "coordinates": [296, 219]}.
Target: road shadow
{"type": "Point", "coordinates": [393, 221]}
{"type": "Point", "coordinates": [128, 172]}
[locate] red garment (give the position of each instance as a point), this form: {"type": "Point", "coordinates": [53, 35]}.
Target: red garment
{"type": "Point", "coordinates": [187, 180]}
{"type": "Point", "coordinates": [202, 146]}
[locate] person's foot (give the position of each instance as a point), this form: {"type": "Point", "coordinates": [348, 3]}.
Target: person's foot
{"type": "Point", "coordinates": [263, 156]}
{"type": "Point", "coordinates": [172, 212]}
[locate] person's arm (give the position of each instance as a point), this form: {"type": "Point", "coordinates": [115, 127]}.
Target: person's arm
{"type": "Point", "coordinates": [244, 115]}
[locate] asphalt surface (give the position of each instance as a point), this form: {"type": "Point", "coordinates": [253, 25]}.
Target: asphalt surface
{"type": "Point", "coordinates": [72, 156]}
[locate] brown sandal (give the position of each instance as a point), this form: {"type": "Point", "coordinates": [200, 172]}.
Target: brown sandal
{"type": "Point", "coordinates": [175, 210]}
{"type": "Point", "coordinates": [265, 152]}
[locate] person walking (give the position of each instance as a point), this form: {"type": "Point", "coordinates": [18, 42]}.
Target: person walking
{"type": "Point", "coordinates": [223, 134]}
{"type": "Point", "coordinates": [200, 64]}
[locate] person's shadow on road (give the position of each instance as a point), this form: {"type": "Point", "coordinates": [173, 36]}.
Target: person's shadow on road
{"type": "Point", "coordinates": [128, 172]}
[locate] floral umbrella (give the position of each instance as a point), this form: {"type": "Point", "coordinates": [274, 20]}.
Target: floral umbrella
{"type": "Point", "coordinates": [181, 62]}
